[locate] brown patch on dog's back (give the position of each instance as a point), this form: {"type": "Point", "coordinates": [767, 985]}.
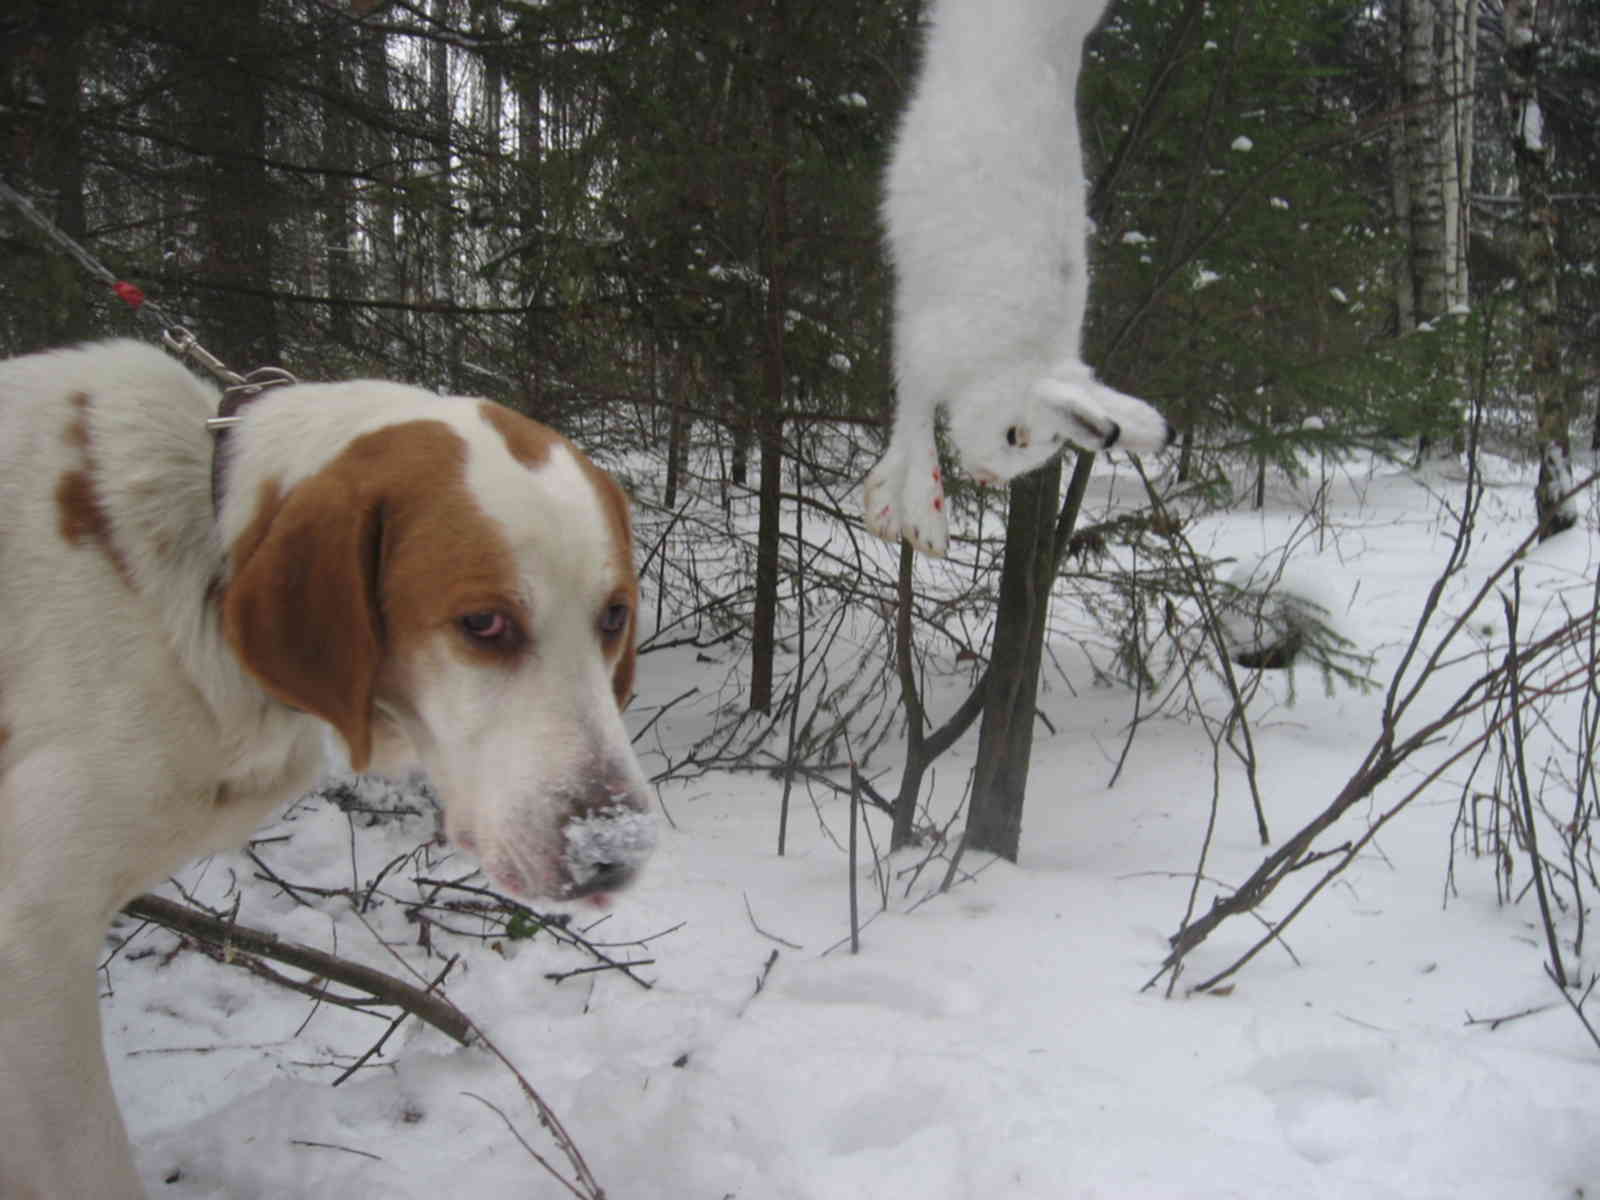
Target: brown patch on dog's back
{"type": "Point", "coordinates": [528, 440]}
{"type": "Point", "coordinates": [83, 516]}
{"type": "Point", "coordinates": [77, 432]}
{"type": "Point", "coordinates": [81, 513]}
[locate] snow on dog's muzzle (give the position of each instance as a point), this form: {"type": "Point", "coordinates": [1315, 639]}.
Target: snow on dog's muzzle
{"type": "Point", "coordinates": [605, 847]}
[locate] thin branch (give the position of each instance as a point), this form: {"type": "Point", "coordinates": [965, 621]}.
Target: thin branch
{"type": "Point", "coordinates": [232, 938]}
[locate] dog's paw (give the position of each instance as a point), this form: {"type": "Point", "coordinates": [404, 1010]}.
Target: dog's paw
{"type": "Point", "coordinates": [1074, 407]}
{"type": "Point", "coordinates": [904, 499]}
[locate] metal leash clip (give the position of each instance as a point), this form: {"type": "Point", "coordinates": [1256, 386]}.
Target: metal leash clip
{"type": "Point", "coordinates": [235, 395]}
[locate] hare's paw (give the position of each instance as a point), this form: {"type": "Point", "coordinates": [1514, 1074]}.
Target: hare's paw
{"type": "Point", "coordinates": [904, 498]}
{"type": "Point", "coordinates": [1074, 407]}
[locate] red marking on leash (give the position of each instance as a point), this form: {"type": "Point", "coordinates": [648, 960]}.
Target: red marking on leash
{"type": "Point", "coordinates": [129, 294]}
{"type": "Point", "coordinates": [938, 504]}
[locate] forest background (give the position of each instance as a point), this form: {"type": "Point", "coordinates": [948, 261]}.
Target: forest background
{"type": "Point", "coordinates": [1319, 228]}
{"type": "Point", "coordinates": [1331, 241]}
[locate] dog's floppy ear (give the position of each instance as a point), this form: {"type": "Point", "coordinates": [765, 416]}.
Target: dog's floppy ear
{"type": "Point", "coordinates": [615, 502]}
{"type": "Point", "coordinates": [301, 609]}
{"type": "Point", "coordinates": [622, 673]}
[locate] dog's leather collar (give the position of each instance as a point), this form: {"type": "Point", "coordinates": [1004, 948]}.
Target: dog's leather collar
{"type": "Point", "coordinates": [234, 401]}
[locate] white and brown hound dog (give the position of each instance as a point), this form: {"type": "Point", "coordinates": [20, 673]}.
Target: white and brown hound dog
{"type": "Point", "coordinates": [436, 579]}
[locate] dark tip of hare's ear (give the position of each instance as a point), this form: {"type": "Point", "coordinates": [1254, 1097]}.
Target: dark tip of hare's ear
{"type": "Point", "coordinates": [1113, 437]}
{"type": "Point", "coordinates": [1011, 436]}
{"type": "Point", "coordinates": [1172, 433]}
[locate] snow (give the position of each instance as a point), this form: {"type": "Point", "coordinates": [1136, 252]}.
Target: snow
{"type": "Point", "coordinates": [616, 836]}
{"type": "Point", "coordinates": [989, 1041]}
{"type": "Point", "coordinates": [1242, 144]}
{"type": "Point", "coordinates": [1532, 126]}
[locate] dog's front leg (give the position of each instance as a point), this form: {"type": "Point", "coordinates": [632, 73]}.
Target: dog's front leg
{"type": "Point", "coordinates": [63, 1136]}
{"type": "Point", "coordinates": [61, 874]}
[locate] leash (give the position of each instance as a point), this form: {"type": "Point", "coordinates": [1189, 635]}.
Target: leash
{"type": "Point", "coordinates": [237, 389]}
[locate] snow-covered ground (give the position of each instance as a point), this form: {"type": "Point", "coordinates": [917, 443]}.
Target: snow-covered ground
{"type": "Point", "coordinates": [990, 1042]}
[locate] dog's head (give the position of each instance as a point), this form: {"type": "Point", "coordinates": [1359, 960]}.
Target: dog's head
{"type": "Point", "coordinates": [461, 577]}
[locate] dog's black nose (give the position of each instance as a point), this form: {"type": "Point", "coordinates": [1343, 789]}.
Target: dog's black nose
{"type": "Point", "coordinates": [605, 877]}
{"type": "Point", "coordinates": [606, 847]}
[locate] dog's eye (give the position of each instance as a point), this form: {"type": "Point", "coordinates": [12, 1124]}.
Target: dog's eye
{"type": "Point", "coordinates": [485, 626]}
{"type": "Point", "coordinates": [614, 619]}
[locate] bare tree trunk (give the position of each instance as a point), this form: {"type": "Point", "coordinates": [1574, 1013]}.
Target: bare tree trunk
{"type": "Point", "coordinates": [443, 219]}
{"type": "Point", "coordinates": [1005, 737]}
{"type": "Point", "coordinates": [739, 447]}
{"type": "Point", "coordinates": [63, 317]}
{"type": "Point", "coordinates": [1405, 291]}
{"type": "Point", "coordinates": [486, 201]}
{"type": "Point", "coordinates": [338, 225]}
{"type": "Point", "coordinates": [530, 268]}
{"type": "Point", "coordinates": [769, 418]}
{"type": "Point", "coordinates": [379, 149]}
{"type": "Point", "coordinates": [922, 747]}
{"type": "Point", "coordinates": [227, 123]}
{"type": "Point", "coordinates": [1537, 261]}
{"type": "Point", "coordinates": [684, 376]}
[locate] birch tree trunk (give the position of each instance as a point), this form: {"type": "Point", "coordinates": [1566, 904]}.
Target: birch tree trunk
{"type": "Point", "coordinates": [1432, 166]}
{"type": "Point", "coordinates": [1536, 253]}
{"type": "Point", "coordinates": [1461, 83]}
{"type": "Point", "coordinates": [1428, 136]}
